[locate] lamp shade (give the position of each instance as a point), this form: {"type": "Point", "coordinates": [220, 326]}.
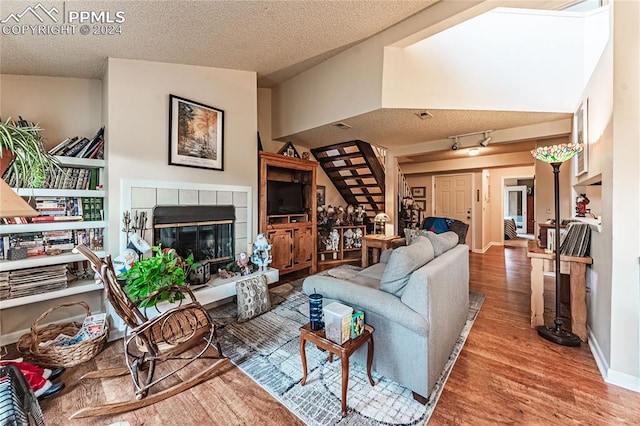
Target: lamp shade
{"type": "Point", "coordinates": [557, 153]}
{"type": "Point", "coordinates": [382, 218]}
{"type": "Point", "coordinates": [12, 205]}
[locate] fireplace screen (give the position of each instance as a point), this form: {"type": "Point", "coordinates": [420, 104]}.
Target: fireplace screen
{"type": "Point", "coordinates": [205, 231]}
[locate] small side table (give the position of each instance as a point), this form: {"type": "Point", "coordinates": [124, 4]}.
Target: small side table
{"type": "Point", "coordinates": [378, 243]}
{"type": "Point", "coordinates": [344, 351]}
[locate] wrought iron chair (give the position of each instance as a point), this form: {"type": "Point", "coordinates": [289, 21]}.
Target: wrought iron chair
{"type": "Point", "coordinates": [150, 340]}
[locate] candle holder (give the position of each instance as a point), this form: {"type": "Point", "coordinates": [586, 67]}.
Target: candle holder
{"type": "Point", "coordinates": [315, 311]}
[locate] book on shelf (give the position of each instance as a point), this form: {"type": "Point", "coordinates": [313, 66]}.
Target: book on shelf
{"type": "Point", "coordinates": [40, 219]}
{"type": "Point", "coordinates": [39, 243]}
{"type": "Point", "coordinates": [81, 147]}
{"type": "Point", "coordinates": [76, 148]}
{"type": "Point", "coordinates": [62, 145]}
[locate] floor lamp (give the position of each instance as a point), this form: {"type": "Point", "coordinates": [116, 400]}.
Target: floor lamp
{"type": "Point", "coordinates": [556, 155]}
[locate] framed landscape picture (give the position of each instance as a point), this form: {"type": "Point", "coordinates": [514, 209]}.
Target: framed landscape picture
{"type": "Point", "coordinates": [580, 135]}
{"type": "Point", "coordinates": [421, 204]}
{"type": "Point", "coordinates": [196, 137]}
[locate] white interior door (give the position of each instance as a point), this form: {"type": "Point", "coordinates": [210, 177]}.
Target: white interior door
{"type": "Point", "coordinates": [452, 196]}
{"type": "Point", "coordinates": [515, 206]}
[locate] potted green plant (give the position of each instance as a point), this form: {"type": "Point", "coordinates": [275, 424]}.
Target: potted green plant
{"type": "Point", "coordinates": [22, 145]}
{"type": "Point", "coordinates": [147, 276]}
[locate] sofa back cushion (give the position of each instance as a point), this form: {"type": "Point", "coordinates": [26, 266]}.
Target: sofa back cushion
{"type": "Point", "coordinates": [403, 261]}
{"type": "Point", "coordinates": [442, 242]}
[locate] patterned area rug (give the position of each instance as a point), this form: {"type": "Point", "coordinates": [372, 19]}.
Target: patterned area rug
{"type": "Point", "coordinates": [267, 348]}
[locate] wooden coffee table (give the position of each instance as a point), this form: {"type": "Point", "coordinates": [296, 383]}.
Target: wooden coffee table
{"type": "Point", "coordinates": [344, 351]}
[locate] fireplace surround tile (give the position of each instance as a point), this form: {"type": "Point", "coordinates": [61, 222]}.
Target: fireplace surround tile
{"type": "Point", "coordinates": [143, 198]}
{"type": "Point", "coordinates": [241, 214]}
{"type": "Point", "coordinates": [225, 197]}
{"type": "Point", "coordinates": [241, 245]}
{"type": "Point", "coordinates": [145, 195]}
{"type": "Point", "coordinates": [208, 197]}
{"type": "Point", "coordinates": [241, 230]}
{"type": "Point", "coordinates": [240, 199]}
{"type": "Point", "coordinates": [167, 196]}
{"type": "Point", "coordinates": [188, 197]}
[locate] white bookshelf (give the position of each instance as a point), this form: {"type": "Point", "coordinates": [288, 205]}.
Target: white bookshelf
{"type": "Point", "coordinates": [51, 226]}
{"type": "Point", "coordinates": [80, 162]}
{"type": "Point", "coordinates": [44, 260]}
{"type": "Point", "coordinates": [40, 192]}
{"type": "Point", "coordinates": [77, 287]}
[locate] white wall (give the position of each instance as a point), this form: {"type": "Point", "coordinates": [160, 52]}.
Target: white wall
{"type": "Point", "coordinates": [332, 196]}
{"type": "Point", "coordinates": [476, 62]}
{"type": "Point", "coordinates": [350, 83]}
{"type": "Point", "coordinates": [63, 107]}
{"type": "Point", "coordinates": [138, 123]}
{"type": "Point", "coordinates": [625, 196]}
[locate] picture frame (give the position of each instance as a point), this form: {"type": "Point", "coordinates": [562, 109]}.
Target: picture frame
{"type": "Point", "coordinates": [421, 204]}
{"type": "Point", "coordinates": [418, 191]}
{"type": "Point", "coordinates": [196, 134]}
{"type": "Point", "coordinates": [321, 194]}
{"type": "Point", "coordinates": [581, 135]}
{"type": "Point", "coordinates": [288, 150]}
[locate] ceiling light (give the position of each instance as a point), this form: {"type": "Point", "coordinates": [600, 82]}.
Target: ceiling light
{"type": "Point", "coordinates": [484, 142]}
{"type": "Point", "coordinates": [474, 151]}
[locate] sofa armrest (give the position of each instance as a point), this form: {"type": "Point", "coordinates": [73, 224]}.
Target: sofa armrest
{"type": "Point", "coordinates": [367, 299]}
{"type": "Point", "coordinates": [440, 282]}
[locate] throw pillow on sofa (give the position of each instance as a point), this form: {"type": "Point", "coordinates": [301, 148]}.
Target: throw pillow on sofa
{"type": "Point", "coordinates": [403, 261]}
{"type": "Point", "coordinates": [411, 235]}
{"type": "Point", "coordinates": [436, 224]}
{"type": "Point", "coordinates": [443, 242]}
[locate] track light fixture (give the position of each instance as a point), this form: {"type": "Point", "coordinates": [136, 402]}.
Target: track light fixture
{"type": "Point", "coordinates": [484, 142]}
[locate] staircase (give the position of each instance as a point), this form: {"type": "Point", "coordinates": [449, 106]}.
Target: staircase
{"type": "Point", "coordinates": [356, 169]}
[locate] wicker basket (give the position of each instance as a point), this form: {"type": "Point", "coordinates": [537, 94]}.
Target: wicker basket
{"type": "Point", "coordinates": [59, 356]}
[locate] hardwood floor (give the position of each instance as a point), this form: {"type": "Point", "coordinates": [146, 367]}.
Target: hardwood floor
{"type": "Point", "coordinates": [506, 374]}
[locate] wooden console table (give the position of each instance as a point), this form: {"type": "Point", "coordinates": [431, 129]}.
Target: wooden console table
{"type": "Point", "coordinates": [378, 243]}
{"type": "Point", "coordinates": [576, 267]}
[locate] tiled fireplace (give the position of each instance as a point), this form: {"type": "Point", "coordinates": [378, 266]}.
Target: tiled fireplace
{"type": "Point", "coordinates": [139, 196]}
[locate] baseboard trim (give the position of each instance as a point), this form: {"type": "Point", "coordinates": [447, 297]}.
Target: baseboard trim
{"type": "Point", "coordinates": [485, 248]}
{"type": "Point", "coordinates": [623, 380]}
{"type": "Point", "coordinates": [598, 356]}
{"type": "Point", "coordinates": [10, 338]}
{"type": "Point", "coordinates": [610, 376]}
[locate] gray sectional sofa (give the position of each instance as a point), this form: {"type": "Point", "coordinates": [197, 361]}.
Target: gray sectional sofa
{"type": "Point", "coordinates": [417, 300]}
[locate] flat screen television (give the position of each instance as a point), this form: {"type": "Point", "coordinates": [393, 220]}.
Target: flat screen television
{"type": "Point", "coordinates": [285, 197]}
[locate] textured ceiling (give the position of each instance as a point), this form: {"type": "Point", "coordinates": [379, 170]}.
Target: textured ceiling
{"type": "Point", "coordinates": [277, 39]}
{"type": "Point", "coordinates": [396, 127]}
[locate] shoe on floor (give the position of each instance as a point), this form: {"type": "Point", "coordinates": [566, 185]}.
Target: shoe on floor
{"type": "Point", "coordinates": [53, 374]}
{"type": "Point", "coordinates": [51, 391]}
